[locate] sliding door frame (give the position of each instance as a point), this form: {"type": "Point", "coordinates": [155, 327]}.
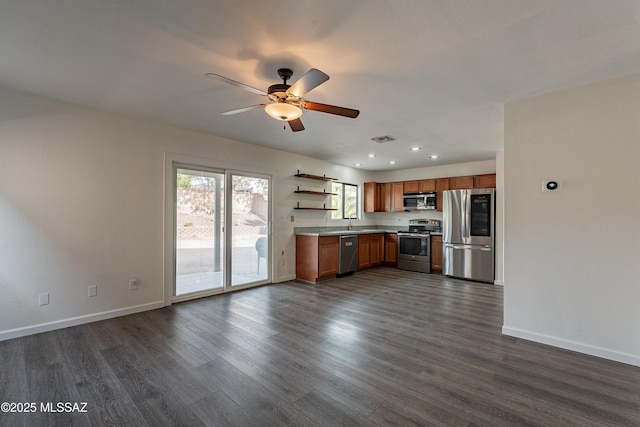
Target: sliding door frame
{"type": "Point", "coordinates": [172, 162]}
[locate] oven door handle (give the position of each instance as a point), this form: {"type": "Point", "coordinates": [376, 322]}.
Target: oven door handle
{"type": "Point", "coordinates": [424, 236]}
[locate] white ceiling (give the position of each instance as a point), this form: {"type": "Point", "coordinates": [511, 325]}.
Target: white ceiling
{"type": "Point", "coordinates": [433, 74]}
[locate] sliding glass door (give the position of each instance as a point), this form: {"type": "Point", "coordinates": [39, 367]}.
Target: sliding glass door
{"type": "Point", "coordinates": [199, 238]}
{"type": "Point", "coordinates": [249, 229]}
{"type": "Point", "coordinates": [222, 238]}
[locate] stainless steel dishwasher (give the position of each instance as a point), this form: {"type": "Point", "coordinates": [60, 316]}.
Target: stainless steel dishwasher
{"type": "Point", "coordinates": [348, 254]}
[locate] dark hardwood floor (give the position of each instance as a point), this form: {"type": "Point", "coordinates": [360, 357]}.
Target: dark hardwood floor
{"type": "Point", "coordinates": [382, 347]}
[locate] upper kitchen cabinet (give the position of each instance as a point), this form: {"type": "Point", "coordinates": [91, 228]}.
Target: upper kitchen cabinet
{"type": "Point", "coordinates": [427, 185]}
{"type": "Point", "coordinates": [383, 197]}
{"type": "Point", "coordinates": [442, 184]}
{"type": "Point", "coordinates": [411, 187]}
{"type": "Point", "coordinates": [419, 186]}
{"type": "Point", "coordinates": [371, 197]}
{"type": "Point", "coordinates": [460, 182]}
{"type": "Point", "coordinates": [484, 181]}
{"type": "Point", "coordinates": [477, 181]}
{"type": "Point", "coordinates": [393, 197]}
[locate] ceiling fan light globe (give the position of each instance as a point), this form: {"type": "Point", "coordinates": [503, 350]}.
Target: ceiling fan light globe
{"type": "Point", "coordinates": [283, 111]}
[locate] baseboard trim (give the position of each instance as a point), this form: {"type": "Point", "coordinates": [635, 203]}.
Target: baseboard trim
{"type": "Point", "coordinates": [79, 320]}
{"type": "Point", "coordinates": [591, 350]}
{"type": "Point", "coordinates": [285, 279]}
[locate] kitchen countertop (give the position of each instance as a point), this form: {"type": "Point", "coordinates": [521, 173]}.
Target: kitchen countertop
{"type": "Point", "coordinates": [331, 231]}
{"type": "Point", "coordinates": [341, 231]}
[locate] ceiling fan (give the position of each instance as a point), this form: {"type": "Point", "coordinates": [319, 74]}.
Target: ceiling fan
{"type": "Point", "coordinates": [286, 100]}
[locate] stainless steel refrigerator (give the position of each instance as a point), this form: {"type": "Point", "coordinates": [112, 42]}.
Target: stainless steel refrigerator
{"type": "Point", "coordinates": [468, 234]}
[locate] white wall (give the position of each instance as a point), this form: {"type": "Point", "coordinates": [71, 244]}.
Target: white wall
{"type": "Point", "coordinates": [572, 256]}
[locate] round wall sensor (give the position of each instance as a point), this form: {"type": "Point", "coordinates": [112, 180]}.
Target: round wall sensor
{"type": "Point", "coordinates": [552, 185]}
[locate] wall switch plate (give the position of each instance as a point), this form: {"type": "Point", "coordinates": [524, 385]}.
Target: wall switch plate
{"type": "Point", "coordinates": [93, 290]}
{"type": "Point", "coordinates": [43, 299]}
{"type": "Point", "coordinates": [133, 284]}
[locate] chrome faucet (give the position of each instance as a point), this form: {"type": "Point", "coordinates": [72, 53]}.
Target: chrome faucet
{"type": "Point", "coordinates": [351, 215]}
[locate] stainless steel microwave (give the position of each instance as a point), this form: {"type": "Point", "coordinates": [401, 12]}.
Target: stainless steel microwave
{"type": "Point", "coordinates": [420, 201]}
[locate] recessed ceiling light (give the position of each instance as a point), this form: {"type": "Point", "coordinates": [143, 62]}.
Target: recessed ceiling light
{"type": "Point", "coordinates": [434, 156]}
{"type": "Point", "coordinates": [358, 164]}
{"type": "Point", "coordinates": [392, 162]}
{"type": "Point", "coordinates": [415, 148]}
{"type": "Point", "coordinates": [372, 155]}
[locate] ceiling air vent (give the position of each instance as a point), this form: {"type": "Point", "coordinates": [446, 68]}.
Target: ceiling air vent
{"type": "Point", "coordinates": [383, 139]}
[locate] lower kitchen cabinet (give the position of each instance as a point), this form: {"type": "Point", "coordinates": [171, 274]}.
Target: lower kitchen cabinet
{"type": "Point", "coordinates": [317, 257]}
{"type": "Point", "coordinates": [363, 251]}
{"type": "Point", "coordinates": [376, 249]}
{"type": "Point", "coordinates": [391, 249]}
{"type": "Point", "coordinates": [436, 254]}
{"type": "Point", "coordinates": [370, 250]}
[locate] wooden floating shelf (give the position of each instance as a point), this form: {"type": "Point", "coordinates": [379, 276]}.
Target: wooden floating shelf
{"type": "Point", "coordinates": [319, 193]}
{"type": "Point", "coordinates": [318, 177]}
{"type": "Point", "coordinates": [316, 209]}
{"type": "Point", "coordinates": [323, 208]}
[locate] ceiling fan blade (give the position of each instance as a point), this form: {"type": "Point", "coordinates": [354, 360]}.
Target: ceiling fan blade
{"type": "Point", "coordinates": [235, 83]}
{"type": "Point", "coordinates": [311, 80]}
{"type": "Point", "coordinates": [242, 110]}
{"type": "Point", "coordinates": [296, 125]}
{"type": "Point", "coordinates": [331, 109]}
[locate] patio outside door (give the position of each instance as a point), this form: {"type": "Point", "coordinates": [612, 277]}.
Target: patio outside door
{"type": "Point", "coordinates": [199, 238]}
{"type": "Point", "coordinates": [249, 228]}
{"type": "Point", "coordinates": [222, 236]}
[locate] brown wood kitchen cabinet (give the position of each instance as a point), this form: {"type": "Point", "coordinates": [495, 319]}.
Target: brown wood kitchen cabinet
{"type": "Point", "coordinates": [484, 181]}
{"type": "Point", "coordinates": [376, 249]}
{"type": "Point", "coordinates": [442, 184]}
{"type": "Point", "coordinates": [427, 185]}
{"type": "Point", "coordinates": [396, 197]}
{"type": "Point", "coordinates": [370, 250]}
{"type": "Point", "coordinates": [475, 181]}
{"type": "Point", "coordinates": [383, 197]}
{"type": "Point", "coordinates": [363, 251]}
{"type": "Point", "coordinates": [419, 186]}
{"type": "Point", "coordinates": [411, 187]}
{"type": "Point", "coordinates": [317, 257]}
{"type": "Point", "coordinates": [371, 196]}
{"type": "Point", "coordinates": [391, 249]}
{"type": "Point", "coordinates": [460, 182]}
{"type": "Point", "coordinates": [436, 254]}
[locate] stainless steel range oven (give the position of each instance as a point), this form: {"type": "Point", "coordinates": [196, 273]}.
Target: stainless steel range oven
{"type": "Point", "coordinates": [414, 245]}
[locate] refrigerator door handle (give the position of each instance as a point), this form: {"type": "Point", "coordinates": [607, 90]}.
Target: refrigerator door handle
{"type": "Point", "coordinates": [465, 216]}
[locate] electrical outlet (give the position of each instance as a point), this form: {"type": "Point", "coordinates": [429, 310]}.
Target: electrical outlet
{"type": "Point", "coordinates": [93, 290]}
{"type": "Point", "coordinates": [133, 284]}
{"type": "Point", "coordinates": [43, 299]}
